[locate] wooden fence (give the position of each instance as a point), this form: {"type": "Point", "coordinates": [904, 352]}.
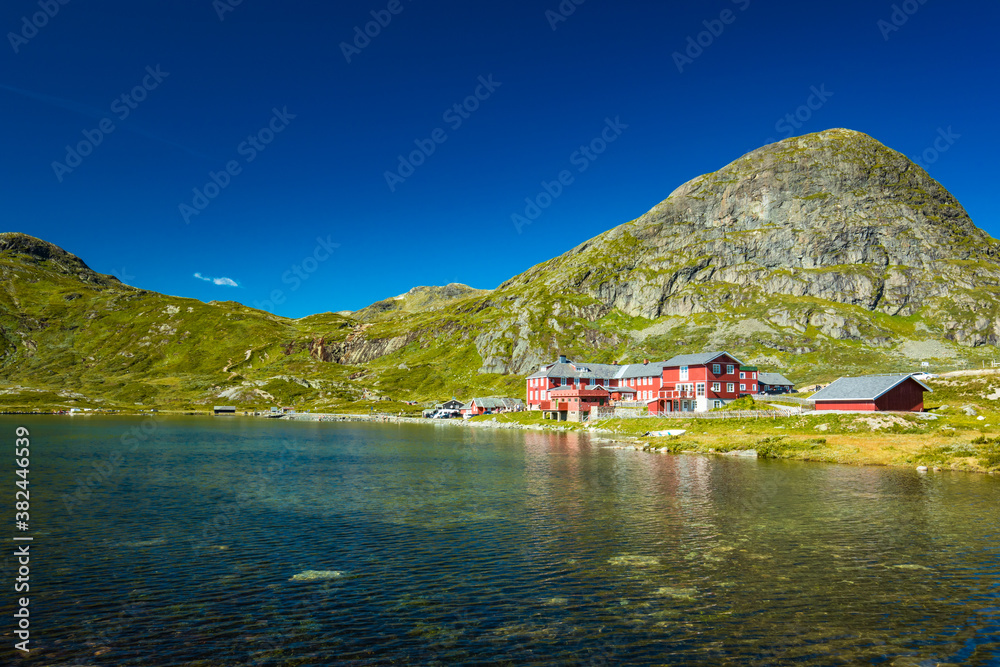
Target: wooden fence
{"type": "Point", "coordinates": [733, 414]}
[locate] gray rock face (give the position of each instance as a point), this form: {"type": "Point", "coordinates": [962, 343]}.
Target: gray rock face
{"type": "Point", "coordinates": [834, 216]}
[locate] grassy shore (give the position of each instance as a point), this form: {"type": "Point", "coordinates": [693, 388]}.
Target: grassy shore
{"type": "Point", "coordinates": [945, 438]}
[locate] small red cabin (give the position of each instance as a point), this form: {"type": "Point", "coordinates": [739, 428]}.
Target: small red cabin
{"type": "Point", "coordinates": [873, 393]}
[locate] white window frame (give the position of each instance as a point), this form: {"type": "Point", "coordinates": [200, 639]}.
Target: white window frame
{"type": "Point", "coordinates": [730, 369]}
{"type": "Point", "coordinates": [564, 380]}
{"type": "Point", "coordinates": [716, 386]}
{"type": "Point", "coordinates": [753, 388]}
{"type": "Point", "coordinates": [700, 390]}
{"type": "Point", "coordinates": [730, 387]}
{"type": "Point", "coordinates": [719, 404]}
{"type": "Point", "coordinates": [743, 375]}
{"type": "Point", "coordinates": [743, 387]}
{"type": "Point", "coordinates": [685, 371]}
{"type": "Point", "coordinates": [717, 369]}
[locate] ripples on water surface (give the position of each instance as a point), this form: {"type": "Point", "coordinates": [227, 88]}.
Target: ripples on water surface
{"type": "Point", "coordinates": [443, 545]}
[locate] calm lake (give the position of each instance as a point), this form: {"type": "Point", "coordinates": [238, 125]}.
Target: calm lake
{"type": "Point", "coordinates": [460, 545]}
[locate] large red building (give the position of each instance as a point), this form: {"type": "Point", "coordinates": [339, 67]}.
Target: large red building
{"type": "Point", "coordinates": [873, 393]}
{"type": "Point", "coordinates": [686, 383]}
{"type": "Point", "coordinates": [701, 382]}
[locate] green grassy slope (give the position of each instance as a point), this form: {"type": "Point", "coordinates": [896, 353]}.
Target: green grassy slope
{"type": "Point", "coordinates": [68, 342]}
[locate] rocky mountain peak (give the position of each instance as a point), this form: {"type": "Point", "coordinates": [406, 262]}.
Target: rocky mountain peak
{"type": "Point", "coordinates": [36, 251]}
{"type": "Point", "coordinates": [16, 242]}
{"type": "Point", "coordinates": [419, 299]}
{"type": "Point", "coordinates": [834, 215]}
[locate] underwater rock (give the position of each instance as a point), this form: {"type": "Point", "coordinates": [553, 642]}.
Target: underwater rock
{"type": "Point", "coordinates": [678, 593]}
{"type": "Point", "coordinates": [317, 575]}
{"type": "Point", "coordinates": [634, 560]}
{"type": "Point", "coordinates": [139, 544]}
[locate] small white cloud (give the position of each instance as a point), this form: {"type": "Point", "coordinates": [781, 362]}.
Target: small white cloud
{"type": "Point", "coordinates": [227, 282]}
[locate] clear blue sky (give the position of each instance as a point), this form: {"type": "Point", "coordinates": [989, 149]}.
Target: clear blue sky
{"type": "Point", "coordinates": [552, 91]}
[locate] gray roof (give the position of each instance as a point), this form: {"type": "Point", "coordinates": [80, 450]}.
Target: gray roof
{"type": "Point", "coordinates": [774, 379]}
{"type": "Point", "coordinates": [652, 369]}
{"type": "Point", "coordinates": [864, 388]}
{"type": "Point", "coordinates": [698, 359]}
{"type": "Point", "coordinates": [571, 370]}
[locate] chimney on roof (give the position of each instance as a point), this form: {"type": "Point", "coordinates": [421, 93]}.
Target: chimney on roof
{"type": "Point", "coordinates": [562, 359]}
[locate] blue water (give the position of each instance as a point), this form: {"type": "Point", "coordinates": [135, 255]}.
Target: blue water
{"type": "Point", "coordinates": [468, 546]}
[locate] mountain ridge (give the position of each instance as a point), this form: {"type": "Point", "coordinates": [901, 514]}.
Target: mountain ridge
{"type": "Point", "coordinates": [816, 256]}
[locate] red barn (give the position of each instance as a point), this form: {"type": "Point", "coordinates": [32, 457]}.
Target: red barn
{"type": "Point", "coordinates": [873, 393]}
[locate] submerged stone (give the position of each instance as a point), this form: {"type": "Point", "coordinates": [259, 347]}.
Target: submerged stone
{"type": "Point", "coordinates": [317, 575]}
{"type": "Point", "coordinates": [139, 544]}
{"type": "Point", "coordinates": [679, 593]}
{"type": "Point", "coordinates": [634, 560]}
